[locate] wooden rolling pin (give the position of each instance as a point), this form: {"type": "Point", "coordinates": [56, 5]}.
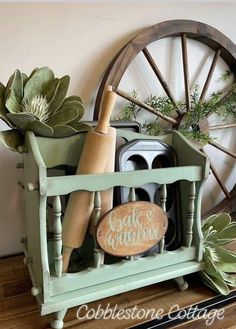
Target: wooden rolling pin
{"type": "Point", "coordinates": [95, 158]}
{"type": "Point", "coordinates": [107, 196]}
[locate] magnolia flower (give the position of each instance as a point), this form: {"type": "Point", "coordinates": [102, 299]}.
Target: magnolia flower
{"type": "Point", "coordinates": [37, 103]}
{"type": "Point", "coordinates": [38, 106]}
{"type": "Point", "coordinates": [219, 230]}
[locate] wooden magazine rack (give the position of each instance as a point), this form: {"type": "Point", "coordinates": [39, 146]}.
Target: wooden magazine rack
{"type": "Point", "coordinates": [56, 291]}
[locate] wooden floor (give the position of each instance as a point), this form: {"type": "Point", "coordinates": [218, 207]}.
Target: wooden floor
{"type": "Point", "coordinates": [18, 308]}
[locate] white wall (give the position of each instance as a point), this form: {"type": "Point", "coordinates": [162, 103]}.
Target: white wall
{"type": "Point", "coordinates": [78, 39]}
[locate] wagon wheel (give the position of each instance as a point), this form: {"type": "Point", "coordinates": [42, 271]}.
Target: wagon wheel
{"type": "Point", "coordinates": [184, 31]}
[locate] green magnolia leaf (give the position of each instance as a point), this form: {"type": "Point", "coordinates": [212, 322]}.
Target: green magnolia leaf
{"type": "Point", "coordinates": [209, 233]}
{"type": "Point", "coordinates": [210, 253]}
{"type": "Point", "coordinates": [17, 86]}
{"type": "Point", "coordinates": [3, 110]}
{"type": "Point", "coordinates": [60, 94]}
{"type": "Point", "coordinates": [227, 267]}
{"type": "Point", "coordinates": [227, 259]}
{"type": "Point", "coordinates": [40, 128]}
{"type": "Point", "coordinates": [50, 89]}
{"type": "Point", "coordinates": [225, 236]}
{"type": "Point", "coordinates": [64, 131]}
{"type": "Point", "coordinates": [12, 139]}
{"type": "Point", "coordinates": [37, 82]}
{"type": "Point", "coordinates": [64, 116]}
{"type": "Point", "coordinates": [215, 284]}
{"type": "Point", "coordinates": [75, 105]}
{"type": "Point", "coordinates": [32, 73]}
{"type": "Point", "coordinates": [218, 230]}
{"type": "Point", "coordinates": [222, 242]}
{"type": "Point", "coordinates": [212, 270]}
{"type": "Point", "coordinates": [21, 120]}
{"type": "Point", "coordinates": [9, 83]}
{"type": "Point", "coordinates": [229, 279]}
{"type": "Point", "coordinates": [221, 221]}
{"type": "Point", "coordinates": [24, 78]}
{"type": "Point", "coordinates": [80, 126]}
{"type": "Point", "coordinates": [74, 98]}
{"type": "Point", "coordinates": [218, 222]}
{"type": "Point", "coordinates": [206, 223]}
{"type": "Point", "coordinates": [12, 104]}
{"type": "Point", "coordinates": [43, 106]}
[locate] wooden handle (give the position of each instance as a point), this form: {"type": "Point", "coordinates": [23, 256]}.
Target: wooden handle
{"type": "Point", "coordinates": [107, 196]}
{"type": "Point", "coordinates": [94, 159]}
{"type": "Point", "coordinates": [107, 107]}
{"type": "Point", "coordinates": [95, 153]}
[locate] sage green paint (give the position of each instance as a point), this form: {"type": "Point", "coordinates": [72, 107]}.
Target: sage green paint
{"type": "Point", "coordinates": [56, 291]}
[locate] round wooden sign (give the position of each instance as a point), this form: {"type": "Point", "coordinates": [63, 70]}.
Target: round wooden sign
{"type": "Point", "coordinates": [131, 228]}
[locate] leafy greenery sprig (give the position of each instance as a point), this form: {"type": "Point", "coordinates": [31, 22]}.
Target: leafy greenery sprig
{"type": "Point", "coordinates": [129, 111]}
{"type": "Point", "coordinates": [218, 104]}
{"type": "Point", "coordinates": [198, 136]}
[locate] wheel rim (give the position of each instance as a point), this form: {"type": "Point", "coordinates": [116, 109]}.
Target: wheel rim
{"type": "Point", "coordinates": [223, 48]}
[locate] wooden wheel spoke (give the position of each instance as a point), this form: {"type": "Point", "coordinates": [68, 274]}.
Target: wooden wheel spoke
{"type": "Point", "coordinates": [223, 149]}
{"type": "Point", "coordinates": [186, 70]}
{"type": "Point", "coordinates": [210, 74]}
{"type": "Point", "coordinates": [222, 185]}
{"type": "Point", "coordinates": [145, 106]}
{"type": "Point", "coordinates": [217, 177]}
{"type": "Point", "coordinates": [160, 78]}
{"type": "Point", "coordinates": [229, 125]}
{"type": "Point", "coordinates": [185, 30]}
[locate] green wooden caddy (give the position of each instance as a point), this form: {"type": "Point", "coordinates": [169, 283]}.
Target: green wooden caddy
{"type": "Point", "coordinates": [56, 291]}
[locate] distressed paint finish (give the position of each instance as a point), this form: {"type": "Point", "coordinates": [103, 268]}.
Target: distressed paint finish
{"type": "Point", "coordinates": [57, 236]}
{"type": "Point", "coordinates": [91, 182]}
{"type": "Point", "coordinates": [56, 293]}
{"type": "Point", "coordinates": [132, 196]}
{"type": "Point", "coordinates": [163, 197]}
{"type": "Point", "coordinates": [96, 211]}
{"type": "Point", "coordinates": [190, 214]}
{"type": "Point", "coordinates": [98, 254]}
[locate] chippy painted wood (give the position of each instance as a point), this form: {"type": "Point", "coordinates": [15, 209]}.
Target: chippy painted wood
{"type": "Point", "coordinates": [18, 308]}
{"type": "Point", "coordinates": [127, 283]}
{"type": "Point", "coordinates": [89, 277]}
{"type": "Point", "coordinates": [70, 144]}
{"type": "Point", "coordinates": [55, 294]}
{"type": "Point", "coordinates": [132, 196]}
{"type": "Point", "coordinates": [98, 253]}
{"type": "Point", "coordinates": [64, 185]}
{"type": "Point", "coordinates": [163, 196]}
{"type": "Point", "coordinates": [57, 236]}
{"type": "Point", "coordinates": [57, 322]}
{"type": "Point", "coordinates": [35, 215]}
{"type": "Point", "coordinates": [190, 214]}
{"type": "Point", "coordinates": [96, 210]}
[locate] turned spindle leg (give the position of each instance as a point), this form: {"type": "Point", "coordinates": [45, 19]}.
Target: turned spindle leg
{"type": "Point", "coordinates": [182, 284]}
{"type": "Point", "coordinates": [132, 195]}
{"type": "Point", "coordinates": [58, 323]}
{"type": "Point", "coordinates": [57, 236]}
{"type": "Point", "coordinates": [98, 253]}
{"type": "Point", "coordinates": [163, 198]}
{"type": "Point", "coordinates": [190, 214]}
